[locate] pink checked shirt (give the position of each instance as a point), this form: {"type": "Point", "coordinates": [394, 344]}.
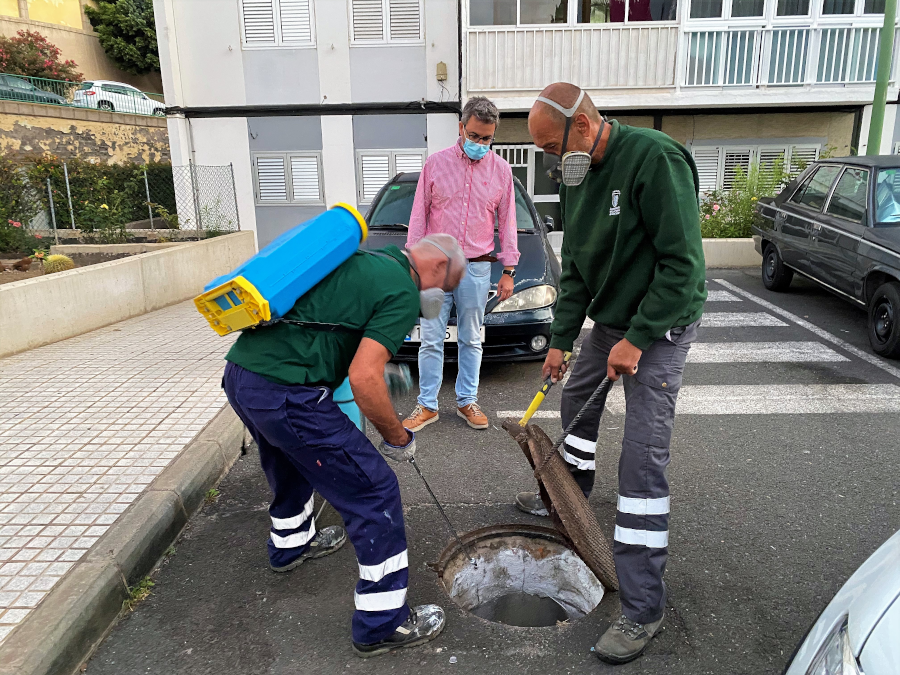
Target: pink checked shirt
{"type": "Point", "coordinates": [459, 197]}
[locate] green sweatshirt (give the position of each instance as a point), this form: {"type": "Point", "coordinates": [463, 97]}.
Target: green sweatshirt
{"type": "Point", "coordinates": [632, 255]}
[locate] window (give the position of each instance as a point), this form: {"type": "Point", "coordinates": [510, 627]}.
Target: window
{"type": "Point", "coordinates": [543, 11]}
{"type": "Point", "coordinates": [381, 21]}
{"type": "Point", "coordinates": [849, 197]}
{"type": "Point", "coordinates": [617, 11]}
{"type": "Point", "coordinates": [374, 168]}
{"type": "Point", "coordinates": [792, 8]}
{"type": "Point", "coordinates": [839, 7]}
{"type": "Point", "coordinates": [873, 7]}
{"type": "Point", "coordinates": [706, 9]}
{"type": "Point", "coordinates": [276, 23]}
{"type": "Point", "coordinates": [887, 196]}
{"type": "Point", "coordinates": [745, 8]}
{"type": "Point", "coordinates": [527, 162]}
{"type": "Point", "coordinates": [814, 190]}
{"type": "Point", "coordinates": [717, 165]}
{"type": "Point", "coordinates": [288, 178]}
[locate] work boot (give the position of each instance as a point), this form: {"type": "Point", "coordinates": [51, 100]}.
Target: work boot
{"type": "Point", "coordinates": [530, 502]}
{"type": "Point", "coordinates": [327, 541]}
{"type": "Point", "coordinates": [625, 640]}
{"type": "Point", "coordinates": [420, 418]}
{"type": "Point", "coordinates": [424, 623]}
{"type": "Point", "coordinates": [473, 416]}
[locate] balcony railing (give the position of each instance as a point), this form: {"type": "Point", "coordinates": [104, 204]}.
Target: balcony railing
{"type": "Point", "coordinates": [109, 96]}
{"type": "Point", "coordinates": [780, 56]}
{"type": "Point", "coordinates": [607, 56]}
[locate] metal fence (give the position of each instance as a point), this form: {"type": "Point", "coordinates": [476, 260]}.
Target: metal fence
{"type": "Point", "coordinates": [109, 96]}
{"type": "Point", "coordinates": [196, 201]}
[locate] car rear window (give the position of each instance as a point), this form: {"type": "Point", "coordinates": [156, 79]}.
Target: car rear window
{"type": "Point", "coordinates": [84, 86]}
{"type": "Point", "coordinates": [395, 207]}
{"type": "Point", "coordinates": [814, 190]}
{"type": "Point", "coordinates": [849, 197]}
{"type": "Point", "coordinates": [887, 196]}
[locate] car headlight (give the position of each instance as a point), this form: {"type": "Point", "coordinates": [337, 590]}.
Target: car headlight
{"type": "Point", "coordinates": [835, 657]}
{"type": "Point", "coordinates": [531, 298]}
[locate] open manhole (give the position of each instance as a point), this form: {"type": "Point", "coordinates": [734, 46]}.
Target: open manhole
{"type": "Point", "coordinates": [524, 576]}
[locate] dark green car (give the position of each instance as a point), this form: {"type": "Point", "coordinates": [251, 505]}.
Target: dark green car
{"type": "Point", "coordinates": [838, 223]}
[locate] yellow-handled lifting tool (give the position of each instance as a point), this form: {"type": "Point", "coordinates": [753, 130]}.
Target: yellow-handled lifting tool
{"type": "Point", "coordinates": [541, 395]}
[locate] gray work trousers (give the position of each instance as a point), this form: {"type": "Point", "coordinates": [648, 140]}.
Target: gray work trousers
{"type": "Point", "coordinates": [642, 516]}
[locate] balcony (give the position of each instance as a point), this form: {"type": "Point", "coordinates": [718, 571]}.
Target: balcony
{"type": "Point", "coordinates": [726, 60]}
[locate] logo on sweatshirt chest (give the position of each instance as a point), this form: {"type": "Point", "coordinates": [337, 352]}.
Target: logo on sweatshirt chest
{"type": "Point", "coordinates": [615, 209]}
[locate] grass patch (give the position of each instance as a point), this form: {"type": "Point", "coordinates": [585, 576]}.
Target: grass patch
{"type": "Point", "coordinates": [137, 594]}
{"type": "Point", "coordinates": [212, 495]}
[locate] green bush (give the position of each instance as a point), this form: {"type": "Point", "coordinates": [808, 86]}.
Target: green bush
{"type": "Point", "coordinates": [729, 213]}
{"type": "Point", "coordinates": [18, 207]}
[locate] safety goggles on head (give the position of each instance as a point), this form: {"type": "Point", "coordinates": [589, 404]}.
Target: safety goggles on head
{"type": "Point", "coordinates": [572, 167]}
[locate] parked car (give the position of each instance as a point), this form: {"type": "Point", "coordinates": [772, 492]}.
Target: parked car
{"type": "Point", "coordinates": [859, 630]}
{"type": "Point", "coordinates": [517, 329]}
{"type": "Point", "coordinates": [116, 97]}
{"type": "Point", "coordinates": [838, 223]}
{"type": "Point", "coordinates": [19, 89]}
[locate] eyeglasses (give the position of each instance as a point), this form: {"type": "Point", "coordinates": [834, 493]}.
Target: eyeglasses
{"type": "Point", "coordinates": [475, 138]}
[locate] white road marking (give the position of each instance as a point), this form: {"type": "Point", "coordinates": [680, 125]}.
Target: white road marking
{"type": "Point", "coordinates": [721, 296]}
{"type": "Point", "coordinates": [761, 352]}
{"type": "Point", "coordinates": [825, 335]}
{"type": "Point", "coordinates": [739, 319]}
{"type": "Point", "coordinates": [766, 399]}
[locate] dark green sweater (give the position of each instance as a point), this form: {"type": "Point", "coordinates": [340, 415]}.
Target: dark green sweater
{"type": "Point", "coordinates": [632, 255]}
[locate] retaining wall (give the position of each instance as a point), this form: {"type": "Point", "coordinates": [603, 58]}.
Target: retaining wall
{"type": "Point", "coordinates": [45, 309]}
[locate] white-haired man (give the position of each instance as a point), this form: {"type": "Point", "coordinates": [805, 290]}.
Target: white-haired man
{"type": "Point", "coordinates": [463, 191]}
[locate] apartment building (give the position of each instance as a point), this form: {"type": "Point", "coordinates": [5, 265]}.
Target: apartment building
{"type": "Point", "coordinates": [318, 101]}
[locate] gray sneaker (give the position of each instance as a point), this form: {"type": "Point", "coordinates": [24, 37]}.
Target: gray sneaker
{"type": "Point", "coordinates": [327, 541]}
{"type": "Point", "coordinates": [424, 623]}
{"type": "Point", "coordinates": [530, 502]}
{"type": "Point", "coordinates": [625, 640]}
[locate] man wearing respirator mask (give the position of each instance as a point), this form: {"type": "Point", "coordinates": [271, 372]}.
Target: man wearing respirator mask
{"type": "Point", "coordinates": [632, 260]}
{"type": "Point", "coordinates": [279, 380]}
{"type": "Point", "coordinates": [462, 191]}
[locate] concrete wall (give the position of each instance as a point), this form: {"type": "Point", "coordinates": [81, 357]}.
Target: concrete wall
{"type": "Point", "coordinates": [83, 47]}
{"type": "Point", "coordinates": [30, 129]}
{"type": "Point", "coordinates": [54, 307]}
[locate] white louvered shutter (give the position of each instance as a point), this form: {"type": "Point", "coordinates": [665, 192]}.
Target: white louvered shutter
{"type": "Point", "coordinates": [769, 154]}
{"type": "Point", "coordinates": [270, 179]}
{"type": "Point", "coordinates": [296, 25]}
{"type": "Point", "coordinates": [405, 20]}
{"type": "Point", "coordinates": [368, 20]}
{"type": "Point", "coordinates": [376, 171]}
{"type": "Point", "coordinates": [802, 156]}
{"type": "Point", "coordinates": [734, 158]}
{"type": "Point", "coordinates": [305, 179]}
{"type": "Point", "coordinates": [707, 161]}
{"type": "Point", "coordinates": [408, 162]}
{"type": "Point", "coordinates": [259, 22]}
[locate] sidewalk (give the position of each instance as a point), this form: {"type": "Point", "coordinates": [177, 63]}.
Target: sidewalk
{"type": "Point", "coordinates": [85, 425]}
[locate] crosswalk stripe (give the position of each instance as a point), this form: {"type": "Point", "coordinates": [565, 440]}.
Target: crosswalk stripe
{"type": "Point", "coordinates": [721, 296]}
{"type": "Point", "coordinates": [761, 352]}
{"type": "Point", "coordinates": [739, 319]}
{"type": "Point", "coordinates": [765, 399]}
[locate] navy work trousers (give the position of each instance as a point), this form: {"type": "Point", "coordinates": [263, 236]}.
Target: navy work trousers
{"type": "Point", "coordinates": [306, 443]}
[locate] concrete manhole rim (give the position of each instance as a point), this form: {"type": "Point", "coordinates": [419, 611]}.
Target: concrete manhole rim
{"type": "Point", "coordinates": [450, 573]}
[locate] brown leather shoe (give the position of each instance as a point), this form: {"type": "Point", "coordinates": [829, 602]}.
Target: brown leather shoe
{"type": "Point", "coordinates": [473, 416]}
{"type": "Point", "coordinates": [420, 418]}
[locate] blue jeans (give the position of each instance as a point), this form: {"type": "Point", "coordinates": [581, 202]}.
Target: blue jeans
{"type": "Point", "coordinates": [470, 298]}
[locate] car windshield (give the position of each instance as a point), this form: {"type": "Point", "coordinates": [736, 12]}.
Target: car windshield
{"type": "Point", "coordinates": [395, 207]}
{"type": "Point", "coordinates": [887, 196]}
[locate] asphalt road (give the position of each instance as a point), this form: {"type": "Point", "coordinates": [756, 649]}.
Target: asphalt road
{"type": "Point", "coordinates": [783, 481]}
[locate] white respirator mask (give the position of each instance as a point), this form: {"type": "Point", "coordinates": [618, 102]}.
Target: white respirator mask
{"type": "Point", "coordinates": [571, 169]}
{"type": "Point", "coordinates": [431, 300]}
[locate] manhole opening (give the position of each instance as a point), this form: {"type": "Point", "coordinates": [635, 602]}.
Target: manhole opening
{"type": "Point", "coordinates": [522, 578]}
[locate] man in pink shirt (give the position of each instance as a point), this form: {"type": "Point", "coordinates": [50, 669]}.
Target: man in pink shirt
{"type": "Point", "coordinates": [463, 191]}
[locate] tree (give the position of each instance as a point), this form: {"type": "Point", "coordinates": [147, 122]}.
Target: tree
{"type": "Point", "coordinates": [127, 33]}
{"type": "Point", "coordinates": [32, 55]}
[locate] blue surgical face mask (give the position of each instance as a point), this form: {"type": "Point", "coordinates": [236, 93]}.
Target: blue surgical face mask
{"type": "Point", "coordinates": [475, 151]}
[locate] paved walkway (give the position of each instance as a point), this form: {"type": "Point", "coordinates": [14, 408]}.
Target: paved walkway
{"type": "Point", "coordinates": [85, 426]}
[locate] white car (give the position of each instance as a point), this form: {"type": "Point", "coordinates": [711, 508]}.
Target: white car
{"type": "Point", "coordinates": [116, 97]}
{"type": "Point", "coordinates": [859, 631]}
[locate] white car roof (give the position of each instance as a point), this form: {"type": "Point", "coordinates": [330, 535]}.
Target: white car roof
{"type": "Point", "coordinates": [120, 84]}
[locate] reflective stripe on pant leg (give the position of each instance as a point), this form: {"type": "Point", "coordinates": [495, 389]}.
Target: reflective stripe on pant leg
{"type": "Point", "coordinates": [587, 373]}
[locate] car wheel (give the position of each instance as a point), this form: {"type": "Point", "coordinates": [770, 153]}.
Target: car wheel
{"type": "Point", "coordinates": [776, 275]}
{"type": "Point", "coordinates": [159, 112]}
{"type": "Point", "coordinates": [884, 320]}
{"type": "Point", "coordinates": [105, 105]}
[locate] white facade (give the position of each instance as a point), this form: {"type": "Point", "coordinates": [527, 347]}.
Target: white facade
{"type": "Point", "coordinates": [296, 57]}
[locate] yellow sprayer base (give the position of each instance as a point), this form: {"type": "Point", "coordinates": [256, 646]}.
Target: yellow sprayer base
{"type": "Point", "coordinates": [232, 306]}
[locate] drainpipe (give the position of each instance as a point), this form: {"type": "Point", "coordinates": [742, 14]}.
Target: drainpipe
{"type": "Point", "coordinates": [885, 47]}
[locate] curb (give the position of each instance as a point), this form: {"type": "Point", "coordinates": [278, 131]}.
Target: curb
{"type": "Point", "coordinates": [82, 608]}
